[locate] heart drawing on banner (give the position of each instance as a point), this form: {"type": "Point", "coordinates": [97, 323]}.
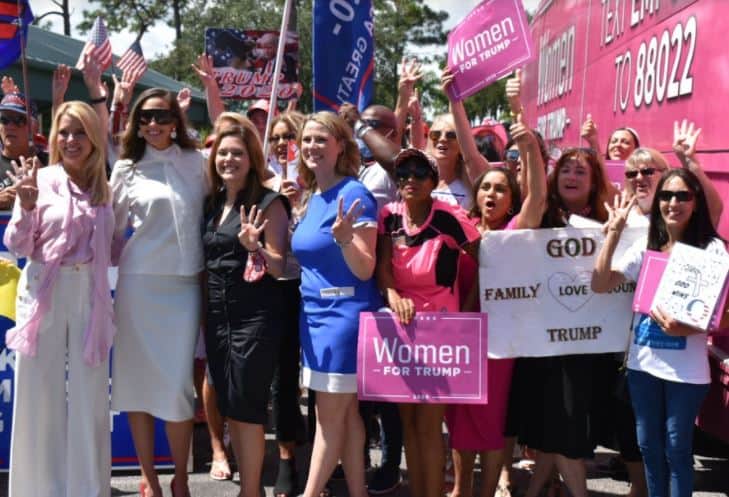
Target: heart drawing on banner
{"type": "Point", "coordinates": [571, 291]}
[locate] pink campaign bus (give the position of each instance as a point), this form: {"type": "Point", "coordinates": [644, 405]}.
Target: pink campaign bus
{"type": "Point", "coordinates": [643, 64]}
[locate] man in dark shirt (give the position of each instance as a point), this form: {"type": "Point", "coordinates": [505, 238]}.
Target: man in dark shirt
{"type": "Point", "coordinates": [14, 137]}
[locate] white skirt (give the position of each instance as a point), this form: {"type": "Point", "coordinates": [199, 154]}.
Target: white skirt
{"type": "Point", "coordinates": [158, 319]}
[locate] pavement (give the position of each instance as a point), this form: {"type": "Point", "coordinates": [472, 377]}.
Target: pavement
{"type": "Point", "coordinates": [711, 473]}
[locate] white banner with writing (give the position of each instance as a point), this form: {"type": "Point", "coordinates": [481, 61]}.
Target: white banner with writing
{"type": "Point", "coordinates": [535, 287]}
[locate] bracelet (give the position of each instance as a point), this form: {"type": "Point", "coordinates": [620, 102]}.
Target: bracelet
{"type": "Point", "coordinates": [259, 247]}
{"type": "Point", "coordinates": [99, 100]}
{"type": "Point", "coordinates": [343, 244]}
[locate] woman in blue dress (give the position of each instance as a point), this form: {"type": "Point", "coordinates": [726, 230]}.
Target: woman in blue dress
{"type": "Point", "coordinates": [335, 245]}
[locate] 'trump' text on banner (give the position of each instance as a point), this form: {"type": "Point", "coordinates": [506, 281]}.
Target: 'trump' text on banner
{"type": "Point", "coordinates": [439, 357]}
{"type": "Point", "coordinates": [535, 287]}
{"type": "Point", "coordinates": [490, 42]}
{"type": "Point", "coordinates": [244, 62]}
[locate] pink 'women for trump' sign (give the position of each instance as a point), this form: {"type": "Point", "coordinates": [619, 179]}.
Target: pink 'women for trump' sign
{"type": "Point", "coordinates": [489, 43]}
{"type": "Point", "coordinates": [440, 357]}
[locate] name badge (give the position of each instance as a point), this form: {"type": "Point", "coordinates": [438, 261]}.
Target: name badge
{"type": "Point", "coordinates": [336, 292]}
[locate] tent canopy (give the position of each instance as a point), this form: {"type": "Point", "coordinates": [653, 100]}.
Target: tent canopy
{"type": "Point", "coordinates": [45, 50]}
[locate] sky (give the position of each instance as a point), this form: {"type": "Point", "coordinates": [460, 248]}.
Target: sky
{"type": "Point", "coordinates": [157, 41]}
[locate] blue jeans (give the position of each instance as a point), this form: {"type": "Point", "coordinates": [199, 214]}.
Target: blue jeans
{"type": "Point", "coordinates": [664, 414]}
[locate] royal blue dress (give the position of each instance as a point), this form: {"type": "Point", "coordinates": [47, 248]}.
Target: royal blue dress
{"type": "Point", "coordinates": [332, 297]}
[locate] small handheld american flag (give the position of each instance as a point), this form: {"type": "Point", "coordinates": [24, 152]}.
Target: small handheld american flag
{"type": "Point", "coordinates": [133, 60]}
{"type": "Point", "coordinates": [97, 46]}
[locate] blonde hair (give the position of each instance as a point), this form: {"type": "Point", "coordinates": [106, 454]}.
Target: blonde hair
{"type": "Point", "coordinates": [348, 161]}
{"type": "Point", "coordinates": [95, 167]}
{"type": "Point", "coordinates": [646, 155]}
{"type": "Point", "coordinates": [461, 172]}
{"type": "Point", "coordinates": [228, 118]}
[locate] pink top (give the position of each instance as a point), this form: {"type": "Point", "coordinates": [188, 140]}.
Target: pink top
{"type": "Point", "coordinates": [64, 229]}
{"type": "Point", "coordinates": [425, 259]}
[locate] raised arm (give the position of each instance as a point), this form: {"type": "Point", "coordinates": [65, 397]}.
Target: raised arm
{"type": "Point", "coordinates": [410, 73]}
{"type": "Point", "coordinates": [356, 243]}
{"type": "Point", "coordinates": [120, 100]}
{"type": "Point", "coordinates": [383, 150]}
{"type": "Point", "coordinates": [204, 70]}
{"type": "Point", "coordinates": [98, 93]}
{"type": "Point", "coordinates": [535, 200]}
{"type": "Point", "coordinates": [588, 132]}
{"type": "Point", "coordinates": [685, 137]}
{"type": "Point", "coordinates": [417, 125]}
{"type": "Point", "coordinates": [20, 234]}
{"type": "Point", "coordinates": [274, 223]}
{"type": "Point", "coordinates": [474, 162]}
{"type": "Point", "coordinates": [604, 277]}
{"type": "Point", "coordinates": [59, 86]}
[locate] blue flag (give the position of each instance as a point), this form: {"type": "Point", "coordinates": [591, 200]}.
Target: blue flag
{"type": "Point", "coordinates": [13, 15]}
{"type": "Point", "coordinates": [343, 54]}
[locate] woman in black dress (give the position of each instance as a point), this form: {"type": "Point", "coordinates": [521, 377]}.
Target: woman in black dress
{"type": "Point", "coordinates": [244, 238]}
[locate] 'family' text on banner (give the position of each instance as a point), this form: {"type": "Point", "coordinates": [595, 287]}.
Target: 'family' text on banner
{"type": "Point", "coordinates": [535, 287]}
{"type": "Point", "coordinates": [439, 358]}
{"type": "Point", "coordinates": [489, 43]}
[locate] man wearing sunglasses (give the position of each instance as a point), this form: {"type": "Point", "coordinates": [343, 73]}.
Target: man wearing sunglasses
{"type": "Point", "coordinates": [14, 137]}
{"type": "Point", "coordinates": [376, 133]}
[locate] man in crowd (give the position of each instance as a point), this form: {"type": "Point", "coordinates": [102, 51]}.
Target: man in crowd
{"type": "Point", "coordinates": [16, 141]}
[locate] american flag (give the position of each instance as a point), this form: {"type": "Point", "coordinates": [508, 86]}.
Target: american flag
{"type": "Point", "coordinates": [97, 46]}
{"type": "Point", "coordinates": [133, 59]}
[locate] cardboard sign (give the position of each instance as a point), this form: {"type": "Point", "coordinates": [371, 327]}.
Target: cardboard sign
{"type": "Point", "coordinates": [692, 285]}
{"type": "Point", "coordinates": [244, 63]}
{"type": "Point", "coordinates": [489, 43]}
{"type": "Point", "coordinates": [440, 357]}
{"type": "Point", "coordinates": [535, 287]}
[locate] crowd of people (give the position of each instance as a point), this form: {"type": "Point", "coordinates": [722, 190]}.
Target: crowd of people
{"type": "Point", "coordinates": [267, 253]}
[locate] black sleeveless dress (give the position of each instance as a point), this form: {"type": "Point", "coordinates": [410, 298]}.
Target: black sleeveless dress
{"type": "Point", "coordinates": [243, 323]}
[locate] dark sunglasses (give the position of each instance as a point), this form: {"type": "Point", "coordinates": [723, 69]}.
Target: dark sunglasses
{"type": "Point", "coordinates": [681, 195]}
{"type": "Point", "coordinates": [644, 171]}
{"type": "Point", "coordinates": [512, 155]}
{"type": "Point", "coordinates": [435, 135]}
{"type": "Point", "coordinates": [17, 120]}
{"type": "Point", "coordinates": [286, 137]}
{"type": "Point", "coordinates": [160, 116]}
{"type": "Point", "coordinates": [419, 172]}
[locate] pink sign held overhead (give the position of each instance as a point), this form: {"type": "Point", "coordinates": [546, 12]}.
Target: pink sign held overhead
{"type": "Point", "coordinates": [489, 43]}
{"type": "Point", "coordinates": [439, 358]}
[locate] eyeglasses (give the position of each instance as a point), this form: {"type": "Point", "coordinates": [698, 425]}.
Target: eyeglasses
{"type": "Point", "coordinates": [160, 116]}
{"type": "Point", "coordinates": [18, 120]}
{"type": "Point", "coordinates": [418, 172]}
{"type": "Point", "coordinates": [681, 195]}
{"type": "Point", "coordinates": [435, 135]}
{"type": "Point", "coordinates": [286, 137]}
{"type": "Point", "coordinates": [644, 171]}
{"type": "Point", "coordinates": [512, 155]}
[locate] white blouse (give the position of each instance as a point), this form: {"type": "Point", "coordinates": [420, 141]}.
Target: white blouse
{"type": "Point", "coordinates": [161, 199]}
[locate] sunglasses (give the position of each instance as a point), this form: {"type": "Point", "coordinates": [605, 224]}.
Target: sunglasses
{"type": "Point", "coordinates": [17, 120]}
{"type": "Point", "coordinates": [435, 135]}
{"type": "Point", "coordinates": [419, 172]}
{"type": "Point", "coordinates": [644, 171]}
{"type": "Point", "coordinates": [512, 155]}
{"type": "Point", "coordinates": [681, 195]}
{"type": "Point", "coordinates": [286, 137]}
{"type": "Point", "coordinates": [160, 116]}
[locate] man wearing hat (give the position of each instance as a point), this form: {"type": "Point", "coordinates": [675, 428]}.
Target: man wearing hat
{"type": "Point", "coordinates": [15, 140]}
{"type": "Point", "coordinates": [258, 114]}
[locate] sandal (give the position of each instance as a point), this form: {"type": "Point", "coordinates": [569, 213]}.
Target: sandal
{"type": "Point", "coordinates": [287, 480]}
{"type": "Point", "coordinates": [220, 470]}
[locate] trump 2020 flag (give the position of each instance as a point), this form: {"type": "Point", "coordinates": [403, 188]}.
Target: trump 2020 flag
{"type": "Point", "coordinates": [97, 46]}
{"type": "Point", "coordinates": [343, 53]}
{"type": "Point", "coordinates": [15, 17]}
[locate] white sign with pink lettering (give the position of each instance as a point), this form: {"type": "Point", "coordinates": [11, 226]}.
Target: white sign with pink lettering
{"type": "Point", "coordinates": [535, 287]}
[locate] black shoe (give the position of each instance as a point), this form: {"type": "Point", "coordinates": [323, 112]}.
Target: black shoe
{"type": "Point", "coordinates": [384, 480]}
{"type": "Point", "coordinates": [287, 480]}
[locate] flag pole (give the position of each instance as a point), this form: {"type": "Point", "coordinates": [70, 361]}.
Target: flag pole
{"type": "Point", "coordinates": [24, 69]}
{"type": "Point", "coordinates": [276, 71]}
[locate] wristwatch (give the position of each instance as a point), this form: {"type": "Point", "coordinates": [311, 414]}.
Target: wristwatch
{"type": "Point", "coordinates": [360, 128]}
